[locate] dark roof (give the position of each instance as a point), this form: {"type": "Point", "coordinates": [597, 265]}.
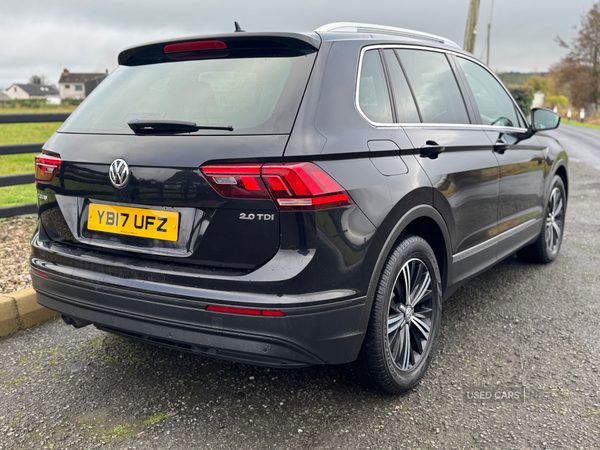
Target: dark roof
{"type": "Point", "coordinates": [68, 77]}
{"type": "Point", "coordinates": [37, 90]}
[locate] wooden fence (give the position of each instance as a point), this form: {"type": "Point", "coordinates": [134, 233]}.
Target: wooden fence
{"type": "Point", "coordinates": [15, 180]}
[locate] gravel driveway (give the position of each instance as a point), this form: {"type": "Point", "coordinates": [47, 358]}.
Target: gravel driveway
{"type": "Point", "coordinates": [15, 235]}
{"type": "Point", "coordinates": [516, 326]}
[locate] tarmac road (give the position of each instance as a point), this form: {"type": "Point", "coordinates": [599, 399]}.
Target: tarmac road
{"type": "Point", "coordinates": [516, 326]}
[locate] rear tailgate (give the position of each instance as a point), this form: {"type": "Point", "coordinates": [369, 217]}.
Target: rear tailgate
{"type": "Point", "coordinates": [255, 87]}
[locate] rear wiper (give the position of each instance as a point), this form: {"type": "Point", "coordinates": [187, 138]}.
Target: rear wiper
{"type": "Point", "coordinates": [170, 126]}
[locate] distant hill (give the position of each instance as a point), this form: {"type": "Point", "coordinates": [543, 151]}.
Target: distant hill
{"type": "Point", "coordinates": [517, 78]}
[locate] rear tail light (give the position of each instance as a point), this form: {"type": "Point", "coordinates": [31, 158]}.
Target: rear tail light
{"type": "Point", "coordinates": [303, 186]}
{"type": "Point", "coordinates": [293, 187]}
{"type": "Point", "coordinates": [46, 167]}
{"type": "Point", "coordinates": [237, 181]}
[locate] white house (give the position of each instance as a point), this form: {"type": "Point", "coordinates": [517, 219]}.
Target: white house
{"type": "Point", "coordinates": [27, 91]}
{"type": "Point", "coordinates": [78, 85]}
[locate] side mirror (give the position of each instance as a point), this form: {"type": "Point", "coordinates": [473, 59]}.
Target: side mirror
{"type": "Point", "coordinates": [544, 119]}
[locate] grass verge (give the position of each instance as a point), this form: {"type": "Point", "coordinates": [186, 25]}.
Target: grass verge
{"type": "Point", "coordinates": [579, 124]}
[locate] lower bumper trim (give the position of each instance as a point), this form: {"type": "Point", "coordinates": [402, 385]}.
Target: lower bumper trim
{"type": "Point", "coordinates": [307, 336]}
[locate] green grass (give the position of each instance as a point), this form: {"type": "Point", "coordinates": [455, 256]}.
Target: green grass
{"type": "Point", "coordinates": [121, 432]}
{"type": "Point", "coordinates": [579, 124]}
{"type": "Point", "coordinates": [16, 164]}
{"type": "Point", "coordinates": [57, 110]}
{"type": "Point", "coordinates": [21, 133]}
{"type": "Point", "coordinates": [26, 133]}
{"type": "Point", "coordinates": [17, 195]}
{"type": "Point", "coordinates": [157, 418]}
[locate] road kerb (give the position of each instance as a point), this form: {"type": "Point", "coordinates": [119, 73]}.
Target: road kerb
{"type": "Point", "coordinates": [19, 311]}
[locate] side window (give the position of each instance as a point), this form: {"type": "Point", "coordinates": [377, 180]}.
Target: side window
{"type": "Point", "coordinates": [373, 95]}
{"type": "Point", "coordinates": [434, 85]}
{"type": "Point", "coordinates": [406, 109]}
{"type": "Point", "coordinates": [495, 105]}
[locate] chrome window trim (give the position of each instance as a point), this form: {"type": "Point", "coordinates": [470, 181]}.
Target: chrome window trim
{"type": "Point", "coordinates": [494, 240]}
{"type": "Point", "coordinates": [430, 125]}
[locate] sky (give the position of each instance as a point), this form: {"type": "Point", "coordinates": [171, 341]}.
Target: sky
{"type": "Point", "coordinates": [41, 37]}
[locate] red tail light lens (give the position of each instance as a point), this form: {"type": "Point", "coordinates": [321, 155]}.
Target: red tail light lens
{"type": "Point", "coordinates": [293, 187]}
{"type": "Point", "coordinates": [303, 186]}
{"type": "Point", "coordinates": [46, 167]}
{"type": "Point", "coordinates": [236, 181]}
{"type": "Point", "coordinates": [194, 46]}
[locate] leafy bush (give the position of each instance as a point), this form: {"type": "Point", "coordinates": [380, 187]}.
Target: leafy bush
{"type": "Point", "coordinates": [556, 100]}
{"type": "Point", "coordinates": [541, 84]}
{"type": "Point", "coordinates": [523, 95]}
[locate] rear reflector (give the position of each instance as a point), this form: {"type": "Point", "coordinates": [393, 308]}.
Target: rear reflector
{"type": "Point", "coordinates": [293, 187]}
{"type": "Point", "coordinates": [248, 312]}
{"type": "Point", "coordinates": [46, 167]}
{"type": "Point", "coordinates": [194, 46]}
{"type": "Point", "coordinates": [38, 273]}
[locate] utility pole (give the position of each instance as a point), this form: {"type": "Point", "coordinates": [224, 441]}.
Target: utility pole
{"type": "Point", "coordinates": [471, 30]}
{"type": "Point", "coordinates": [487, 57]}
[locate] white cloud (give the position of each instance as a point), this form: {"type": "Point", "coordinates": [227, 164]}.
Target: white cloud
{"type": "Point", "coordinates": [45, 37]}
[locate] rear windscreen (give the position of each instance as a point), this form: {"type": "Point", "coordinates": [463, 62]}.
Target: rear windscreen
{"type": "Point", "coordinates": [253, 95]}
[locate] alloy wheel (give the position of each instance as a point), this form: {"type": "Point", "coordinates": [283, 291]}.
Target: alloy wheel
{"type": "Point", "coordinates": [410, 315]}
{"type": "Point", "coordinates": [554, 220]}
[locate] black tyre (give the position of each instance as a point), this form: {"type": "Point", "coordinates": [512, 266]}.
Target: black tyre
{"type": "Point", "coordinates": [405, 319]}
{"type": "Point", "coordinates": [545, 249]}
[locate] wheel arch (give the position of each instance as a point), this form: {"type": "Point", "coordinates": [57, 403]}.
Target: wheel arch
{"type": "Point", "coordinates": [561, 171]}
{"type": "Point", "coordinates": [424, 221]}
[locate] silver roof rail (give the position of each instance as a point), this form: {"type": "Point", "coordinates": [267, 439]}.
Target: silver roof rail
{"type": "Point", "coordinates": [352, 27]}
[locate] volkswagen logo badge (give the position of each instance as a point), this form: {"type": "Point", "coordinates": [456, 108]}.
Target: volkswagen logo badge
{"type": "Point", "coordinates": [119, 173]}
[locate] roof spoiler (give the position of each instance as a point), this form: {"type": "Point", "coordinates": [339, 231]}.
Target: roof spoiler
{"type": "Point", "coordinates": [232, 45]}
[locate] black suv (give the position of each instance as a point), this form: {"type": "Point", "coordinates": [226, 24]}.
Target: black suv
{"type": "Point", "coordinates": [291, 199]}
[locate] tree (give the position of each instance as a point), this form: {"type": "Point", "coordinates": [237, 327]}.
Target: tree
{"type": "Point", "coordinates": [573, 80]}
{"type": "Point", "coordinates": [40, 80]}
{"type": "Point", "coordinates": [578, 73]}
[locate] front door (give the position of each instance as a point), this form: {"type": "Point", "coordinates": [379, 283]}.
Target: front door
{"type": "Point", "coordinates": [522, 163]}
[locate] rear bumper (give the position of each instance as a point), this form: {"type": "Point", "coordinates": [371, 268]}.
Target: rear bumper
{"type": "Point", "coordinates": [328, 333]}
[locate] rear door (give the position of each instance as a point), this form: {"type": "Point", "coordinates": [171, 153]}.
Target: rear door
{"type": "Point", "coordinates": [522, 163]}
{"type": "Point", "coordinates": [456, 155]}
